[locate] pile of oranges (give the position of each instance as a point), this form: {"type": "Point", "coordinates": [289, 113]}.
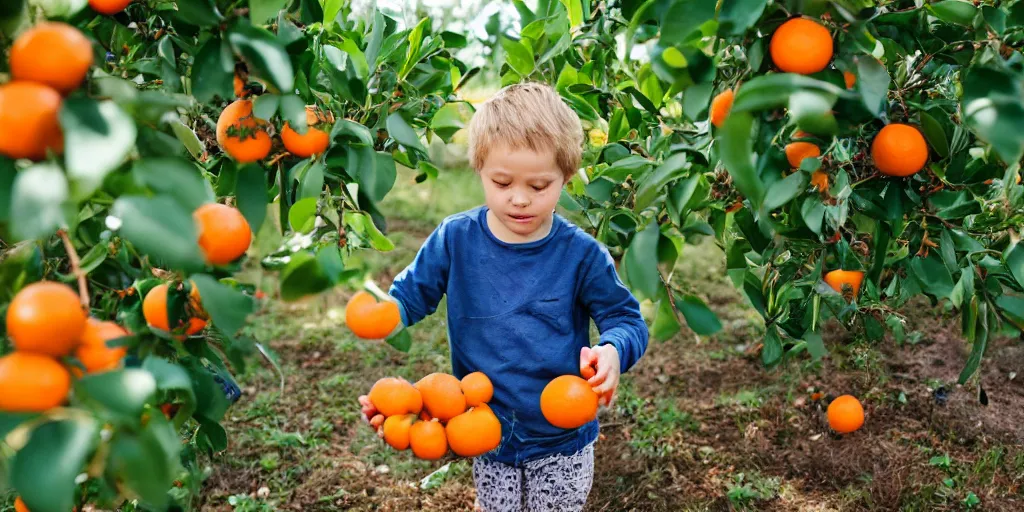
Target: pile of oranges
{"type": "Point", "coordinates": [437, 413]}
{"type": "Point", "coordinates": [46, 322]}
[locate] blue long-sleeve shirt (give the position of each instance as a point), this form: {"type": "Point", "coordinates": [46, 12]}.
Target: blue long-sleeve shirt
{"type": "Point", "coordinates": [520, 313]}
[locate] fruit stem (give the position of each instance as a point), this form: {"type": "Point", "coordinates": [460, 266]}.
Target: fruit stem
{"type": "Point", "coordinates": [372, 287]}
{"type": "Point", "coordinates": [83, 289]}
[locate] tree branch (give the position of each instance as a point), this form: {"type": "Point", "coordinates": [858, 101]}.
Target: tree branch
{"type": "Point", "coordinates": [76, 269]}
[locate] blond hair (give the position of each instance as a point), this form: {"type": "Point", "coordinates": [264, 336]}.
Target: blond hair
{"type": "Point", "coordinates": [527, 116]}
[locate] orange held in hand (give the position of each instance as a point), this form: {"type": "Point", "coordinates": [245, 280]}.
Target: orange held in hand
{"type": "Point", "coordinates": [241, 135]}
{"type": "Point", "coordinates": [899, 150]}
{"type": "Point", "coordinates": [568, 402]}
{"type": "Point", "coordinates": [93, 351]}
{"type": "Point", "coordinates": [396, 430]}
{"type": "Point", "coordinates": [845, 414]}
{"type": "Point", "coordinates": [369, 319]}
{"type": "Point", "coordinates": [154, 309]}
{"type": "Point", "coordinates": [477, 388]}
{"type": "Point", "coordinates": [852, 278]}
{"type": "Point", "coordinates": [45, 318]}
{"type": "Point", "coordinates": [224, 234]}
{"type": "Point", "coordinates": [392, 397]}
{"type": "Point", "coordinates": [428, 440]}
{"type": "Point", "coordinates": [32, 382]}
{"type": "Point", "coordinates": [474, 433]}
{"type": "Point", "coordinates": [29, 120]}
{"type": "Point", "coordinates": [442, 396]}
{"type": "Point", "coordinates": [720, 107]}
{"type": "Point", "coordinates": [802, 46]}
{"type": "Point", "coordinates": [52, 53]}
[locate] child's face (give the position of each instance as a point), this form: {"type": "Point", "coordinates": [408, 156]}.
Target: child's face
{"type": "Point", "coordinates": [521, 187]}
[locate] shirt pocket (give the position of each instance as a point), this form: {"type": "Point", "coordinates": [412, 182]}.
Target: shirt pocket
{"type": "Point", "coordinates": [554, 312]}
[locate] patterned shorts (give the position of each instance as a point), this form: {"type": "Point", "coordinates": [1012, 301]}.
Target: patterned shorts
{"type": "Point", "coordinates": [554, 483]}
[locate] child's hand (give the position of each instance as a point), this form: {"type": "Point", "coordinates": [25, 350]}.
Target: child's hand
{"type": "Point", "coordinates": [600, 366]}
{"type": "Point", "coordinates": [371, 416]}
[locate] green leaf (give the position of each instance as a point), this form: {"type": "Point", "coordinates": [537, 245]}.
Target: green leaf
{"type": "Point", "coordinates": [376, 38]}
{"type": "Point", "coordinates": [954, 11]}
{"type": "Point", "coordinates": [449, 119]}
{"type": "Point", "coordinates": [264, 55]}
{"type": "Point", "coordinates": [400, 130]}
{"type": "Point", "coordinates": [575, 10]}
{"type": "Point", "coordinates": [739, 15]}
{"type": "Point", "coordinates": [1014, 258]}
{"type": "Point", "coordinates": [263, 10]}
{"type": "Point", "coordinates": [170, 377]}
{"type": "Point", "coordinates": [699, 316]}
{"type": "Point", "coordinates": [771, 352]}
{"type": "Point", "coordinates": [251, 193]}
{"type": "Point", "coordinates": [302, 277]}
{"type": "Point", "coordinates": [813, 213]}
{"type": "Point", "coordinates": [97, 138]}
{"type": "Point", "coordinates": [265, 106]}
{"type": "Point", "coordinates": [201, 13]}
{"type": "Point", "coordinates": [873, 83]}
{"type": "Point", "coordinates": [412, 55]}
{"type": "Point", "coordinates": [146, 463]}
{"type": "Point", "coordinates": [641, 260]}
{"type": "Point", "coordinates": [813, 112]}
{"type": "Point", "coordinates": [356, 58]}
{"type": "Point", "coordinates": [293, 111]}
{"type": "Point", "coordinates": [39, 202]}
{"type": "Point", "coordinates": [377, 178]}
{"type": "Point", "coordinates": [213, 71]}
{"type": "Point", "coordinates": [737, 153]}
{"type": "Point", "coordinates": [773, 91]}
{"type": "Point", "coordinates": [654, 183]}
{"type": "Point", "coordinates": [227, 306]}
{"type": "Point", "coordinates": [980, 343]}
{"type": "Point", "coordinates": [785, 190]}
{"type": "Point", "coordinates": [935, 134]}
{"type": "Point", "coordinates": [1012, 307]}
{"type": "Point", "coordinates": [7, 175]}
{"type": "Point", "coordinates": [175, 178]}
{"type": "Point", "coordinates": [188, 138]}
{"type": "Point", "coordinates": [683, 18]}
{"type": "Point", "coordinates": [331, 10]}
{"type": "Point", "coordinates": [401, 340]}
{"type": "Point", "coordinates": [160, 227]}
{"type": "Point", "coordinates": [302, 214]}
{"type": "Point", "coordinates": [815, 345]}
{"type": "Point", "coordinates": [363, 224]}
{"type": "Point", "coordinates": [123, 392]}
{"type": "Point", "coordinates": [43, 472]}
{"type": "Point", "coordinates": [312, 182]}
{"type": "Point", "coordinates": [993, 108]}
{"type": "Point", "coordinates": [933, 276]}
{"type": "Point", "coordinates": [518, 55]}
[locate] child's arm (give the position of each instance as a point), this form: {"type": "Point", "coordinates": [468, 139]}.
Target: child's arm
{"type": "Point", "coordinates": [419, 287]}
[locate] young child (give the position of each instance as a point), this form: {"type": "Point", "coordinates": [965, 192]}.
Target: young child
{"type": "Point", "coordinates": [523, 284]}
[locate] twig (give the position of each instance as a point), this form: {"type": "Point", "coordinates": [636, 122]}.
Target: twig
{"type": "Point", "coordinates": [83, 290]}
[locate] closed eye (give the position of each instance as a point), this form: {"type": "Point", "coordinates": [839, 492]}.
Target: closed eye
{"type": "Point", "coordinates": [499, 184]}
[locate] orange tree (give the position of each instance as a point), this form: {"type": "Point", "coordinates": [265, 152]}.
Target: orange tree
{"type": "Point", "coordinates": [142, 146]}
{"type": "Point", "coordinates": [847, 156]}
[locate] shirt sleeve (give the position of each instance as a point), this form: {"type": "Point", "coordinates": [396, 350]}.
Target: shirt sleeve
{"type": "Point", "coordinates": [418, 288]}
{"type": "Point", "coordinates": [614, 309]}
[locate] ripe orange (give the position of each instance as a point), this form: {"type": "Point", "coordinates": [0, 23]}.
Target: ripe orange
{"type": "Point", "coordinates": [313, 142]}
{"type": "Point", "coordinates": [845, 414]}
{"type": "Point", "coordinates": [45, 318]}
{"type": "Point", "coordinates": [819, 180]}
{"type": "Point", "coordinates": [802, 46]}
{"type": "Point", "coordinates": [52, 53]}
{"type": "Point", "coordinates": [899, 150]}
{"type": "Point", "coordinates": [442, 395]}
{"type": "Point", "coordinates": [154, 309]}
{"type": "Point", "coordinates": [428, 440]}
{"type": "Point", "coordinates": [568, 402]}
{"type": "Point", "coordinates": [19, 505]}
{"type": "Point", "coordinates": [224, 234]}
{"type": "Point", "coordinates": [477, 388]}
{"type": "Point", "coordinates": [852, 278]}
{"type": "Point", "coordinates": [239, 86]}
{"type": "Point", "coordinates": [720, 107]}
{"type": "Point", "coordinates": [396, 430]}
{"type": "Point", "coordinates": [242, 136]}
{"type": "Point", "coordinates": [850, 79]}
{"type": "Point", "coordinates": [393, 397]}
{"type": "Point", "coordinates": [369, 319]}
{"type": "Point", "coordinates": [474, 433]}
{"type": "Point", "coordinates": [32, 382]}
{"type": "Point", "coordinates": [797, 151]}
{"type": "Point", "coordinates": [29, 120]}
{"type": "Point", "coordinates": [93, 351]}
{"type": "Point", "coordinates": [109, 7]}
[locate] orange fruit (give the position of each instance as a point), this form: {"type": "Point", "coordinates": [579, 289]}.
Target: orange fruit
{"type": "Point", "coordinates": [852, 278]}
{"type": "Point", "coordinates": [427, 439]}
{"type": "Point", "coordinates": [850, 79]}
{"type": "Point", "coordinates": [29, 120]}
{"type": "Point", "coordinates": [720, 107]}
{"type": "Point", "coordinates": [109, 7]}
{"type": "Point", "coordinates": [442, 395]}
{"type": "Point", "coordinates": [154, 309]}
{"type": "Point", "coordinates": [93, 351]}
{"type": "Point", "coordinates": [224, 234]}
{"type": "Point", "coordinates": [568, 402]}
{"type": "Point", "coordinates": [52, 53]}
{"type": "Point", "coordinates": [819, 180]}
{"type": "Point", "coordinates": [239, 86]}
{"type": "Point", "coordinates": [474, 433]}
{"type": "Point", "coordinates": [899, 150]}
{"type": "Point", "coordinates": [19, 505]}
{"type": "Point", "coordinates": [45, 318]}
{"type": "Point", "coordinates": [477, 388]}
{"type": "Point", "coordinates": [313, 142]}
{"type": "Point", "coordinates": [242, 136]}
{"type": "Point", "coordinates": [369, 319]}
{"type": "Point", "coordinates": [845, 414]}
{"type": "Point", "coordinates": [32, 382]}
{"type": "Point", "coordinates": [396, 430]}
{"type": "Point", "coordinates": [392, 397]}
{"type": "Point", "coordinates": [797, 151]}
{"type": "Point", "coordinates": [802, 46]}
